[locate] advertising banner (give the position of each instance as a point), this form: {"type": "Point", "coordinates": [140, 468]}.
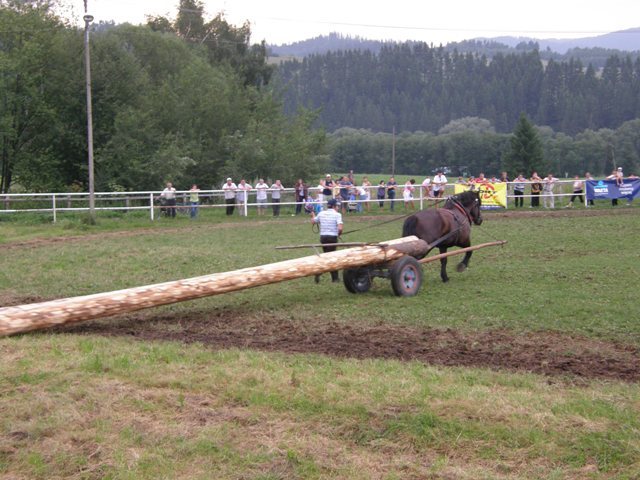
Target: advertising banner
{"type": "Point", "coordinates": [492, 195]}
{"type": "Point", "coordinates": [609, 189]}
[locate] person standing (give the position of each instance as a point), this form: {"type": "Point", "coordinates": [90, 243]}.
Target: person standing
{"type": "Point", "coordinates": [276, 193]}
{"type": "Point", "coordinates": [407, 195]}
{"type": "Point", "coordinates": [548, 185]}
{"type": "Point", "coordinates": [391, 191]}
{"type": "Point", "coordinates": [230, 195]}
{"type": "Point", "coordinates": [330, 222]}
{"type": "Point", "coordinates": [301, 195]}
{"type": "Point", "coordinates": [242, 196]}
{"type": "Point", "coordinates": [169, 196]}
{"type": "Point", "coordinates": [536, 189]}
{"type": "Point", "coordinates": [439, 183]}
{"type": "Point", "coordinates": [194, 200]}
{"type": "Point", "coordinates": [261, 196]}
{"type": "Point", "coordinates": [327, 188]}
{"type": "Point", "coordinates": [587, 177]}
{"type": "Point", "coordinates": [381, 193]}
{"type": "Point", "coordinates": [578, 191]}
{"type": "Point", "coordinates": [518, 190]}
{"type": "Point", "coordinates": [365, 194]}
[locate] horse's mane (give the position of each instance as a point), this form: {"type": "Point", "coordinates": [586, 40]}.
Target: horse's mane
{"type": "Point", "coordinates": [465, 198]}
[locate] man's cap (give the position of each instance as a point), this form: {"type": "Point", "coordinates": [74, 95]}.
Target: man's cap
{"type": "Point", "coordinates": [619, 168]}
{"type": "Point", "coordinates": [229, 179]}
{"type": "Point", "coordinates": [332, 202]}
{"type": "Point", "coordinates": [328, 175]}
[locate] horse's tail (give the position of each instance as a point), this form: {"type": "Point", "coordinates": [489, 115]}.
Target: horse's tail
{"type": "Point", "coordinates": [409, 226]}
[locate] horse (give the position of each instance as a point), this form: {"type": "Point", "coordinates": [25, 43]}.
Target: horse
{"type": "Point", "coordinates": [449, 226]}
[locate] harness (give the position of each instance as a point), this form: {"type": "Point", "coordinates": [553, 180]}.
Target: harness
{"type": "Point", "coordinates": [458, 205]}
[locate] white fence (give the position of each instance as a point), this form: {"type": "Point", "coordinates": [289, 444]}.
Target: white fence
{"type": "Point", "coordinates": [56, 203]}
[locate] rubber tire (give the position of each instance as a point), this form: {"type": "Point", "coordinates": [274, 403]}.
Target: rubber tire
{"type": "Point", "coordinates": [357, 280]}
{"type": "Point", "coordinates": [406, 277]}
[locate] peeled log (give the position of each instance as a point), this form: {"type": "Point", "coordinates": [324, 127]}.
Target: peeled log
{"type": "Point", "coordinates": [36, 316]}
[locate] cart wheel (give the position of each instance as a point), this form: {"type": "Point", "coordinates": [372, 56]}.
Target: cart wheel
{"type": "Point", "coordinates": [357, 280]}
{"type": "Point", "coordinates": [406, 276]}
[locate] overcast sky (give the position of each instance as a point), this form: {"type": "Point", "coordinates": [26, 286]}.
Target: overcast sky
{"type": "Point", "coordinates": [442, 21]}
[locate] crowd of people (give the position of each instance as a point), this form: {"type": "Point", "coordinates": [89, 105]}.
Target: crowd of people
{"type": "Point", "coordinates": [351, 196]}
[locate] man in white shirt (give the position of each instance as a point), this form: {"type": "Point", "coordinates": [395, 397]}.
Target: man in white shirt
{"type": "Point", "coordinates": [330, 222]}
{"type": "Point", "coordinates": [261, 196]}
{"type": "Point", "coordinates": [230, 195]}
{"type": "Point", "coordinates": [439, 183]}
{"type": "Point", "coordinates": [242, 196]}
{"type": "Point", "coordinates": [169, 196]}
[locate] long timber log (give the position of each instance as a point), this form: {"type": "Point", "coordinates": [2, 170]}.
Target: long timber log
{"type": "Point", "coordinates": [37, 316]}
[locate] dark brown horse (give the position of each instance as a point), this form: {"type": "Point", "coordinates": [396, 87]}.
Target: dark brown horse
{"type": "Point", "coordinates": [449, 226]}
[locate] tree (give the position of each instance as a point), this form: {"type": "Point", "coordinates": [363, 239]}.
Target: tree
{"type": "Point", "coordinates": [525, 153]}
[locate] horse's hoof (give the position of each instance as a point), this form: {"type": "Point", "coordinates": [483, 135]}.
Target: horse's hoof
{"type": "Point", "coordinates": [461, 267]}
{"type": "Point", "coordinates": [445, 280]}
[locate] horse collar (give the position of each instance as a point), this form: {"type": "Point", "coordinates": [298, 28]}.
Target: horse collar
{"type": "Point", "coordinates": [456, 203]}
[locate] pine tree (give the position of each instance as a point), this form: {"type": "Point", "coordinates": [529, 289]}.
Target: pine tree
{"type": "Point", "coordinates": [525, 153]}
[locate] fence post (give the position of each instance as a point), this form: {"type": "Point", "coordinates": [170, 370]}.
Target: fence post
{"type": "Point", "coordinates": [54, 208]}
{"type": "Point", "coordinates": [151, 205]}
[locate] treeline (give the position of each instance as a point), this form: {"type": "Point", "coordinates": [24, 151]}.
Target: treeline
{"type": "Point", "coordinates": [415, 87]}
{"type": "Point", "coordinates": [184, 100]}
{"type": "Point", "coordinates": [471, 145]}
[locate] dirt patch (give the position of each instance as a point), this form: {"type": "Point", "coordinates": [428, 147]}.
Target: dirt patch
{"type": "Point", "coordinates": [548, 353]}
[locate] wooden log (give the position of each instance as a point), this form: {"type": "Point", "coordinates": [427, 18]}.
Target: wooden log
{"type": "Point", "coordinates": [37, 316]}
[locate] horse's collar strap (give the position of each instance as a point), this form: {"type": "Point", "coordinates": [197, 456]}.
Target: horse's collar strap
{"type": "Point", "coordinates": [456, 203]}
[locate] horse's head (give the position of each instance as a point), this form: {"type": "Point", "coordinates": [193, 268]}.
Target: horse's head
{"type": "Point", "coordinates": [475, 211]}
{"type": "Point", "coordinates": [471, 202]}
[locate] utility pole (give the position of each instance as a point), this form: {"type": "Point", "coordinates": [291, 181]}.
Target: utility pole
{"type": "Point", "coordinates": [393, 153]}
{"type": "Point", "coordinates": [87, 66]}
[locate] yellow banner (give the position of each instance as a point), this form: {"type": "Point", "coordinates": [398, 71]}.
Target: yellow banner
{"type": "Point", "coordinates": [493, 195]}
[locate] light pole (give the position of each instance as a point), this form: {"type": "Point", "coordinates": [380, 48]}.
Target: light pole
{"type": "Point", "coordinates": [87, 66]}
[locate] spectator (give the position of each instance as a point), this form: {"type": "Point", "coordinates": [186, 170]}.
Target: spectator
{"type": "Point", "coordinates": [461, 181]}
{"type": "Point", "coordinates": [380, 194]}
{"type": "Point", "coordinates": [194, 200]}
{"type": "Point", "coordinates": [426, 188]}
{"type": "Point", "coordinates": [407, 195]}
{"type": "Point", "coordinates": [504, 177]}
{"type": "Point", "coordinates": [536, 189]}
{"type": "Point", "coordinates": [261, 196]}
{"type": "Point", "coordinates": [439, 183]}
{"type": "Point", "coordinates": [518, 190]}
{"type": "Point", "coordinates": [391, 191]}
{"type": "Point", "coordinates": [365, 194]}
{"type": "Point", "coordinates": [330, 221]}
{"type": "Point", "coordinates": [301, 194]}
{"type": "Point", "coordinates": [230, 195]}
{"type": "Point", "coordinates": [548, 185]}
{"type": "Point", "coordinates": [578, 191]}
{"type": "Point", "coordinates": [327, 190]}
{"type": "Point", "coordinates": [169, 196]}
{"type": "Point", "coordinates": [276, 191]}
{"type": "Point", "coordinates": [587, 176]}
{"type": "Point", "coordinates": [614, 176]}
{"type": "Point", "coordinates": [345, 192]}
{"type": "Point", "coordinates": [242, 196]}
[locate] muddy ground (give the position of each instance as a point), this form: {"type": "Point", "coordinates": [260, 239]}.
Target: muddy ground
{"type": "Point", "coordinates": [549, 353]}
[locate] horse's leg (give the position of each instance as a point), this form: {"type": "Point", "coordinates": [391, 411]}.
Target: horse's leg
{"type": "Point", "coordinates": [443, 265]}
{"type": "Point", "coordinates": [462, 266]}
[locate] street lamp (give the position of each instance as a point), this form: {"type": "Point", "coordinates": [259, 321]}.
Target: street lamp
{"type": "Point", "coordinates": [87, 65]}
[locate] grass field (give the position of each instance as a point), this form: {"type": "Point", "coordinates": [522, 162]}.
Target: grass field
{"type": "Point", "coordinates": [133, 397]}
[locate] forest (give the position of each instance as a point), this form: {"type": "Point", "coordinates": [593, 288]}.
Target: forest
{"type": "Point", "coordinates": [184, 100]}
{"type": "Point", "coordinates": [415, 87]}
